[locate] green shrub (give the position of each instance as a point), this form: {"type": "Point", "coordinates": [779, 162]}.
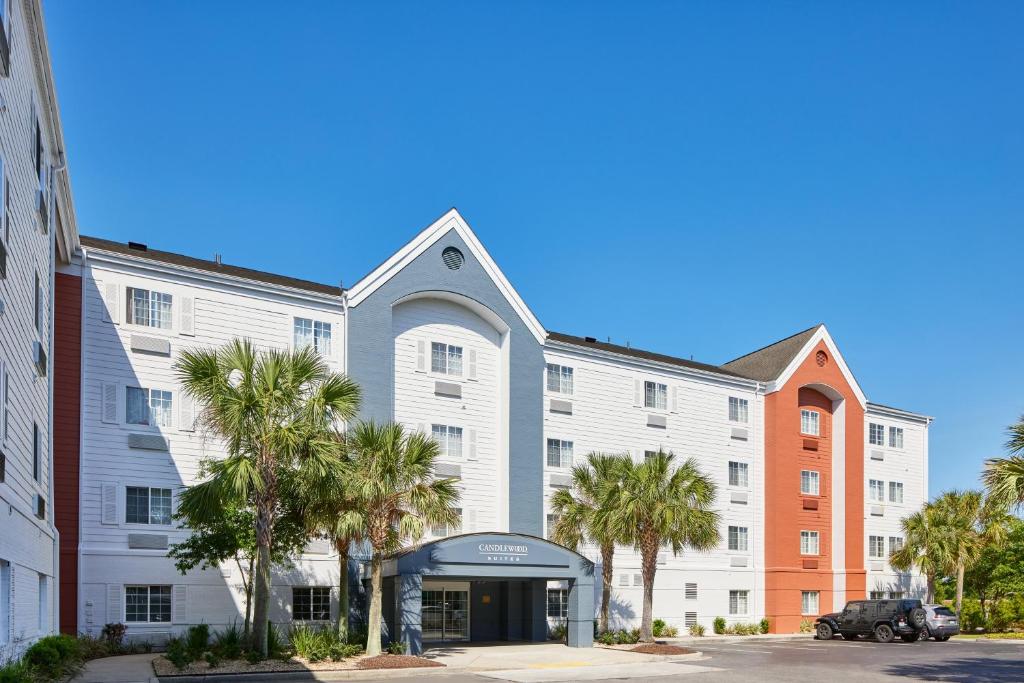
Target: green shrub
{"type": "Point", "coordinates": [54, 657]}
{"type": "Point", "coordinates": [558, 631]}
{"type": "Point", "coordinates": [114, 635]}
{"type": "Point", "coordinates": [971, 618]}
{"type": "Point", "coordinates": [197, 638]}
{"type": "Point", "coordinates": [396, 647]}
{"type": "Point", "coordinates": [806, 626]}
{"type": "Point", "coordinates": [719, 625]}
{"type": "Point", "coordinates": [253, 657]}
{"type": "Point", "coordinates": [276, 646]}
{"type": "Point", "coordinates": [16, 672]}
{"type": "Point", "coordinates": [607, 638]}
{"type": "Point", "coordinates": [696, 630]}
{"type": "Point", "coordinates": [177, 653]}
{"type": "Point", "coordinates": [228, 643]}
{"type": "Point", "coordinates": [670, 632]}
{"type": "Point", "coordinates": [212, 659]}
{"type": "Point", "coordinates": [91, 647]}
{"type": "Point", "coordinates": [765, 625]}
{"type": "Point", "coordinates": [658, 627]}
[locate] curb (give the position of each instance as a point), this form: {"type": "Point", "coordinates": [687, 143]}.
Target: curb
{"type": "Point", "coordinates": [345, 675]}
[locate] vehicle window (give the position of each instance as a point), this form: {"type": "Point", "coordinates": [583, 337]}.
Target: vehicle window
{"type": "Point", "coordinates": [869, 610]}
{"type": "Point", "coordinates": [944, 612]}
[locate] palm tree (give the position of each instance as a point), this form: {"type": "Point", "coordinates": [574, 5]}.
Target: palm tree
{"type": "Point", "coordinates": [659, 504]}
{"type": "Point", "coordinates": [925, 546]}
{"type": "Point", "coordinates": [1004, 477]}
{"type": "Point", "coordinates": [277, 413]}
{"type": "Point", "coordinates": [582, 515]}
{"type": "Point", "coordinates": [395, 496]}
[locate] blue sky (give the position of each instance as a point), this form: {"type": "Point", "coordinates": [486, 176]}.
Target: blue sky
{"type": "Point", "coordinates": [694, 178]}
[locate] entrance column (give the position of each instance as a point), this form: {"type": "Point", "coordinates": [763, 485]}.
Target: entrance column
{"type": "Point", "coordinates": [409, 611]}
{"type": "Point", "coordinates": [538, 598]}
{"type": "Point", "coordinates": [580, 627]}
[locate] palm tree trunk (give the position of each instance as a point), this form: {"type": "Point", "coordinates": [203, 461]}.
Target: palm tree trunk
{"type": "Point", "coordinates": [261, 579]}
{"type": "Point", "coordinates": [959, 588]}
{"type": "Point", "coordinates": [247, 587]}
{"type": "Point", "coordinates": [649, 564]}
{"type": "Point", "coordinates": [931, 587]}
{"type": "Point", "coordinates": [607, 553]}
{"type": "Point", "coordinates": [342, 547]}
{"type": "Point", "coordinates": [373, 625]}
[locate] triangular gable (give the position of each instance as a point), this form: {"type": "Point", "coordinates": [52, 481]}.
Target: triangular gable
{"type": "Point", "coordinates": [767, 363]}
{"type": "Point", "coordinates": [451, 220]}
{"type": "Point", "coordinates": [820, 335]}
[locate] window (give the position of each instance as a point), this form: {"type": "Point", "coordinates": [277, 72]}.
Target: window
{"type": "Point", "coordinates": [638, 580]}
{"type": "Point", "coordinates": [559, 453]}
{"type": "Point", "coordinates": [149, 309]}
{"type": "Point", "coordinates": [876, 434]}
{"type": "Point", "coordinates": [895, 437]}
{"type": "Point", "coordinates": [876, 595]}
{"type": "Point", "coordinates": [449, 440]}
{"type": "Point", "coordinates": [148, 407]}
{"type": "Point", "coordinates": [44, 604]}
{"type": "Point", "coordinates": [624, 581]}
{"type": "Point", "coordinates": [442, 530]}
{"type": "Point", "coordinates": [895, 492]}
{"type": "Point", "coordinates": [738, 474]}
{"type": "Point", "coordinates": [36, 464]}
{"type": "Point", "coordinates": [38, 305]}
{"type": "Point", "coordinates": [147, 604]}
{"type": "Point", "coordinates": [737, 409]}
{"type": "Point", "coordinates": [552, 520]}
{"type": "Point", "coordinates": [649, 454]}
{"type": "Point", "coordinates": [737, 602]}
{"type": "Point", "coordinates": [809, 483]}
{"type": "Point", "coordinates": [446, 359]}
{"type": "Point", "coordinates": [808, 542]}
{"type": "Point", "coordinates": [311, 604]}
{"type": "Point", "coordinates": [808, 602]}
{"type": "Point", "coordinates": [809, 422]}
{"type": "Point", "coordinates": [313, 333]}
{"type": "Point", "coordinates": [655, 395]}
{"type": "Point", "coordinates": [559, 378]}
{"type": "Point", "coordinates": [738, 538]}
{"type": "Point", "coordinates": [144, 505]}
{"type": "Point", "coordinates": [876, 491]}
{"type": "Point", "coordinates": [5, 601]}
{"type": "Point", "coordinates": [876, 547]}
{"type": "Point", "coordinates": [895, 544]}
{"type": "Point", "coordinates": [558, 603]}
{"type": "Point", "coordinates": [690, 591]}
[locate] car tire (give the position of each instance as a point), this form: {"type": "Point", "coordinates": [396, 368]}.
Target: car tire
{"type": "Point", "coordinates": [823, 632]}
{"type": "Point", "coordinates": [918, 618]}
{"type": "Point", "coordinates": [884, 633]}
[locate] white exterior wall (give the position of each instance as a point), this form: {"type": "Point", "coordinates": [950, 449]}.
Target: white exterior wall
{"type": "Point", "coordinates": [907, 465]}
{"type": "Point", "coordinates": [26, 542]}
{"type": "Point", "coordinates": [223, 310]}
{"type": "Point", "coordinates": [605, 417]}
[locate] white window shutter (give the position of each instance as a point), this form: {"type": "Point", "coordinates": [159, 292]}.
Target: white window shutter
{"type": "Point", "coordinates": [421, 356]}
{"type": "Point", "coordinates": [472, 444]}
{"type": "Point", "coordinates": [179, 604]}
{"type": "Point", "coordinates": [187, 316]}
{"type": "Point", "coordinates": [109, 399]}
{"type": "Point", "coordinates": [112, 308]}
{"type": "Point", "coordinates": [675, 399]}
{"type": "Point", "coordinates": [114, 614]}
{"type": "Point", "coordinates": [187, 412]}
{"type": "Point", "coordinates": [108, 503]}
{"type": "Point", "coordinates": [638, 393]}
{"type": "Point", "coordinates": [472, 364]}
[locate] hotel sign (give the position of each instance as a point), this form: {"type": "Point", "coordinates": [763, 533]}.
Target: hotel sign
{"type": "Point", "coordinates": [504, 552]}
{"type": "Point", "coordinates": [510, 550]}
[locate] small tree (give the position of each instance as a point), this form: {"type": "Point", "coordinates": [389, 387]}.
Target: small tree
{"type": "Point", "coordinates": [583, 515]}
{"type": "Point", "coordinates": [926, 545]}
{"type": "Point", "coordinates": [1004, 477]}
{"type": "Point", "coordinates": [659, 504]}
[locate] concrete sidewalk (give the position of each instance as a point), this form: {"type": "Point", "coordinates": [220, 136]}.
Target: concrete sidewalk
{"type": "Point", "coordinates": [123, 669]}
{"type": "Point", "coordinates": [505, 656]}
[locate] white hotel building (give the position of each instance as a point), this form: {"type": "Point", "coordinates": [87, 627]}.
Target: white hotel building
{"type": "Point", "coordinates": [440, 341]}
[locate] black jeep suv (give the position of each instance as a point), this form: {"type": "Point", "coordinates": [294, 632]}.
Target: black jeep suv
{"type": "Point", "coordinates": [885, 619]}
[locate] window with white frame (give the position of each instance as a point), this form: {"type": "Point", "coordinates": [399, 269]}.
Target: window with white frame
{"type": "Point", "coordinates": [558, 603]}
{"type": "Point", "coordinates": [809, 422]}
{"type": "Point", "coordinates": [738, 602]}
{"type": "Point", "coordinates": [876, 434]}
{"type": "Point", "coordinates": [808, 602]}
{"type": "Point", "coordinates": [809, 543]}
{"type": "Point", "coordinates": [5, 601]}
{"type": "Point", "coordinates": [895, 437]}
{"type": "Point", "coordinates": [895, 544]}
{"type": "Point", "coordinates": [147, 604]}
{"type": "Point", "coordinates": [876, 547]}
{"type": "Point", "coordinates": [313, 333]}
{"type": "Point", "coordinates": [559, 378]}
{"type": "Point", "coordinates": [738, 538]}
{"type": "Point", "coordinates": [449, 440]}
{"type": "Point", "coordinates": [145, 505]}
{"type": "Point", "coordinates": [441, 530]}
{"type": "Point", "coordinates": [810, 484]}
{"type": "Point", "coordinates": [311, 603]}
{"type": "Point", "coordinates": [649, 454]}
{"type": "Point", "coordinates": [148, 407]}
{"type": "Point", "coordinates": [739, 474]}
{"type": "Point", "coordinates": [896, 492]}
{"type": "Point", "coordinates": [655, 395]}
{"type": "Point", "coordinates": [876, 491]}
{"type": "Point", "coordinates": [559, 453]}
{"type": "Point", "coordinates": [148, 308]}
{"type": "Point", "coordinates": [552, 521]}
{"type": "Point", "coordinates": [446, 359]}
{"type": "Point", "coordinates": [738, 409]}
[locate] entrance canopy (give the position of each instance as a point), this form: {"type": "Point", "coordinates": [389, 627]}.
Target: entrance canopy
{"type": "Point", "coordinates": [509, 573]}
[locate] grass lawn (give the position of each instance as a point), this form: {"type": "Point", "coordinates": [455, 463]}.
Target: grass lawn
{"type": "Point", "coordinates": [993, 636]}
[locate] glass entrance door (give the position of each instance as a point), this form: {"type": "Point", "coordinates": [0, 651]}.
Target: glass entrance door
{"type": "Point", "coordinates": [445, 614]}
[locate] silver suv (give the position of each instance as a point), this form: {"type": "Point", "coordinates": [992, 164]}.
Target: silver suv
{"type": "Point", "coordinates": [941, 623]}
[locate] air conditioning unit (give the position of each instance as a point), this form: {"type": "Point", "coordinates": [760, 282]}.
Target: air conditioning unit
{"type": "Point", "coordinates": [39, 357]}
{"type": "Point", "coordinates": [40, 506]}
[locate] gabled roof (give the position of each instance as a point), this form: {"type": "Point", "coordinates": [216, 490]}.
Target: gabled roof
{"type": "Point", "coordinates": [173, 259]}
{"type": "Point", "coordinates": [451, 220]}
{"type": "Point", "coordinates": [767, 363]}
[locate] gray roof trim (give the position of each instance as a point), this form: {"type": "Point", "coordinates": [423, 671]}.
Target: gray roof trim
{"type": "Point", "coordinates": [899, 413]}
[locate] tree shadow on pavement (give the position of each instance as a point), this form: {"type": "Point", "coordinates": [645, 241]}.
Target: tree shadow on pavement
{"type": "Point", "coordinates": [972, 669]}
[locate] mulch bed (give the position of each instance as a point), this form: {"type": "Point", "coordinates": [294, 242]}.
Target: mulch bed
{"type": "Point", "coordinates": [165, 668]}
{"type": "Point", "coordinates": [396, 662]}
{"type": "Point", "coordinates": [662, 649]}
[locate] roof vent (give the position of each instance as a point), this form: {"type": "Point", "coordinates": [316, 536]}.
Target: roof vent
{"type": "Point", "coordinates": [590, 340]}
{"type": "Point", "coordinates": [137, 246]}
{"type": "Point", "coordinates": [821, 358]}
{"type": "Point", "coordinates": [452, 258]}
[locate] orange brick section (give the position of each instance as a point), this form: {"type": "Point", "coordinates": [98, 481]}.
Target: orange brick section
{"type": "Point", "coordinates": [787, 452]}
